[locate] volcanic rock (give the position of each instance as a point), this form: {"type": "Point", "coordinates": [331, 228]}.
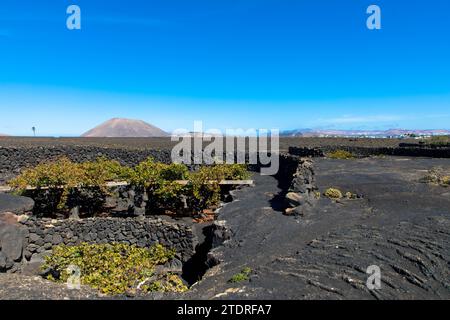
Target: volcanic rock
{"type": "Point", "coordinates": [15, 204]}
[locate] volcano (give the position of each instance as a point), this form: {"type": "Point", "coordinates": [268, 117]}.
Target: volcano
{"type": "Point", "coordinates": [121, 128]}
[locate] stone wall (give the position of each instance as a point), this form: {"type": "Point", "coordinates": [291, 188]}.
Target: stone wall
{"type": "Point", "coordinates": [371, 151]}
{"type": "Point", "coordinates": [306, 152]}
{"type": "Point", "coordinates": [23, 244]}
{"type": "Point", "coordinates": [288, 167]}
{"type": "Point", "coordinates": [302, 193]}
{"type": "Point", "coordinates": [13, 159]}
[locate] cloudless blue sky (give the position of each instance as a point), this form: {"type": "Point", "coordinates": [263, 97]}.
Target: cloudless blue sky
{"type": "Point", "coordinates": [233, 64]}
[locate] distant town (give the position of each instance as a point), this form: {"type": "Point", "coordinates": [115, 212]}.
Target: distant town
{"type": "Point", "coordinates": [391, 133]}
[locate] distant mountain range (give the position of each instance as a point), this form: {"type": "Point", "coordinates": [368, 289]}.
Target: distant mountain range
{"type": "Point", "coordinates": [123, 128]}
{"type": "Point", "coordinates": [362, 133]}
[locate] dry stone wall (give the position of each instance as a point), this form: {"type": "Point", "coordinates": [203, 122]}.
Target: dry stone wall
{"type": "Point", "coordinates": [405, 151]}
{"type": "Point", "coordinates": [13, 159]}
{"type": "Point", "coordinates": [24, 244]}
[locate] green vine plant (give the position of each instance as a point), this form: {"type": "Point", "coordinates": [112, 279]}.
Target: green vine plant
{"type": "Point", "coordinates": [64, 179]}
{"type": "Point", "coordinates": [205, 183]}
{"type": "Point", "coordinates": [114, 268]}
{"type": "Point", "coordinates": [159, 182]}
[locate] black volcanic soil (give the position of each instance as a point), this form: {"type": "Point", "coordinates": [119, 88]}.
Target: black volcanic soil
{"type": "Point", "coordinates": [166, 143]}
{"type": "Point", "coordinates": [401, 225]}
{"type": "Point", "coordinates": [20, 287]}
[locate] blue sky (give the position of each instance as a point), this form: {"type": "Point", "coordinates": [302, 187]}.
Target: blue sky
{"type": "Point", "coordinates": [233, 64]}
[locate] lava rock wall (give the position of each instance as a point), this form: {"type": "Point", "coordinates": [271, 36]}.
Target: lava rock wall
{"type": "Point", "coordinates": [24, 244]}
{"type": "Point", "coordinates": [302, 193]}
{"type": "Point", "coordinates": [372, 151]}
{"type": "Point", "coordinates": [13, 159]}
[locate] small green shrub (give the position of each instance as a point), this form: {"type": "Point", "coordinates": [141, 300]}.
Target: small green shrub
{"type": "Point", "coordinates": [340, 154]}
{"type": "Point", "coordinates": [433, 176]}
{"type": "Point", "coordinates": [233, 171]}
{"type": "Point", "coordinates": [241, 276]}
{"type": "Point", "coordinates": [437, 176]}
{"type": "Point", "coordinates": [445, 181]}
{"type": "Point", "coordinates": [159, 181]}
{"type": "Point", "coordinates": [112, 268]}
{"type": "Point", "coordinates": [204, 185]}
{"type": "Point", "coordinates": [333, 193]}
{"type": "Point", "coordinates": [165, 283]}
{"type": "Point", "coordinates": [150, 174]}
